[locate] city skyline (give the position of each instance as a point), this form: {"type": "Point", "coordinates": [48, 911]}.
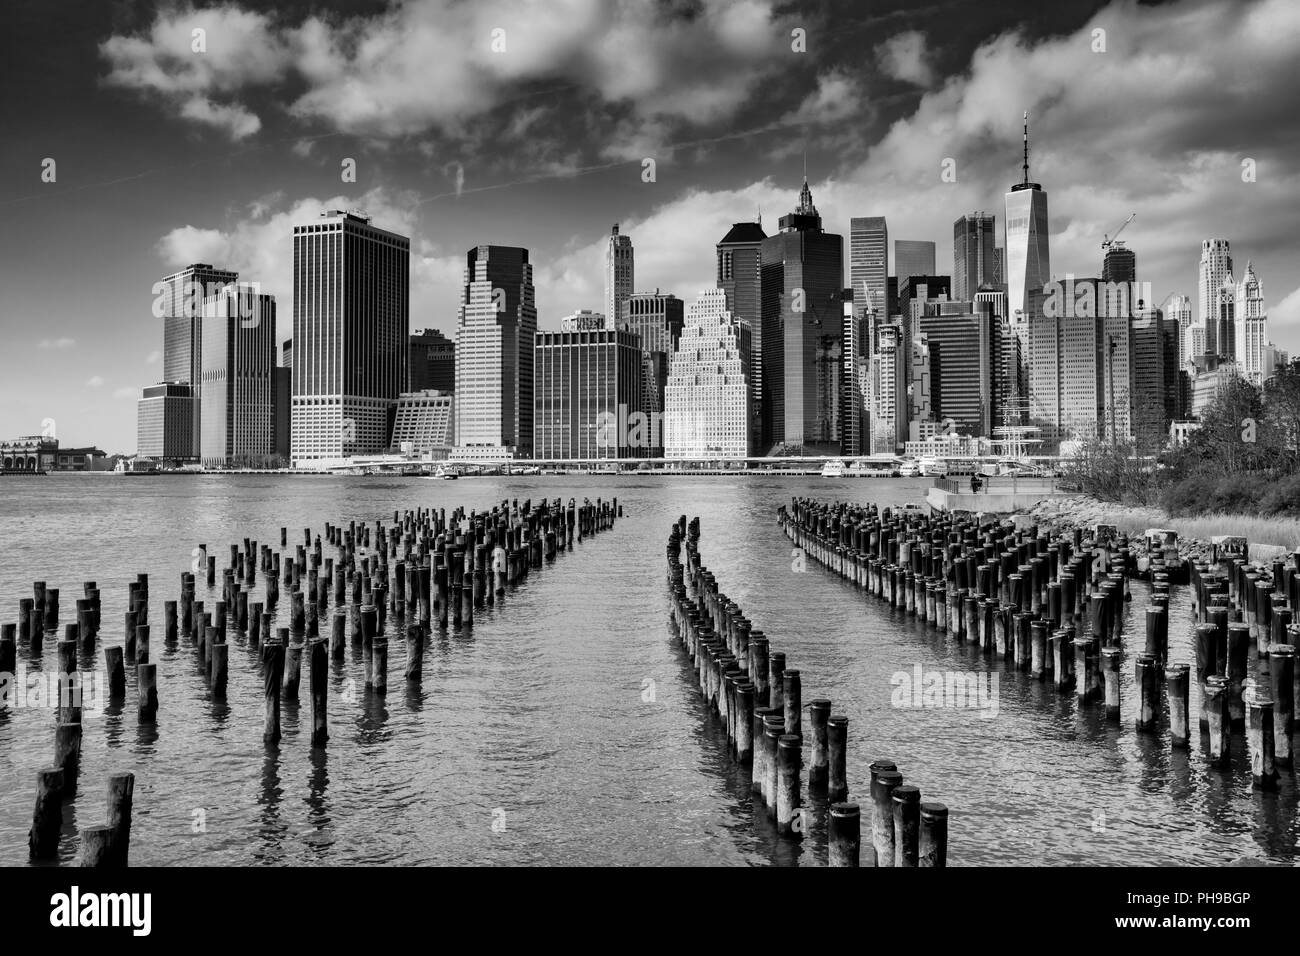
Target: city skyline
{"type": "Point", "coordinates": [867, 125]}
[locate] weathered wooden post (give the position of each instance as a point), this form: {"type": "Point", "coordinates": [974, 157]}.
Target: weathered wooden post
{"type": "Point", "coordinates": [293, 647]}
{"type": "Point", "coordinates": [273, 653]}
{"type": "Point", "coordinates": [789, 815]}
{"type": "Point", "coordinates": [47, 818]}
{"type": "Point", "coordinates": [1281, 676]}
{"type": "Point", "coordinates": [845, 836]}
{"type": "Point", "coordinates": [67, 756]}
{"type": "Point", "coordinates": [1148, 691]}
{"type": "Point", "coordinates": [883, 784]}
{"type": "Point", "coordinates": [819, 712]}
{"type": "Point", "coordinates": [933, 845]}
{"type": "Point", "coordinates": [837, 733]}
{"type": "Point", "coordinates": [318, 679]}
{"type": "Point", "coordinates": [1260, 738]}
{"type": "Point", "coordinates": [1215, 707]}
{"type": "Point", "coordinates": [907, 825]}
{"type": "Point", "coordinates": [1178, 679]}
{"type": "Point", "coordinates": [146, 682]}
{"type": "Point", "coordinates": [121, 801]}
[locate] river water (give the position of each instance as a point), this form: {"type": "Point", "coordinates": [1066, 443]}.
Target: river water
{"type": "Point", "coordinates": [564, 727]}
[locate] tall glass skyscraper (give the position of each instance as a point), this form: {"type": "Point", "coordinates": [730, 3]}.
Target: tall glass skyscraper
{"type": "Point", "coordinates": [238, 378]}
{"type": "Point", "coordinates": [740, 262]}
{"type": "Point", "coordinates": [1027, 261]}
{"type": "Point", "coordinates": [974, 250]}
{"type": "Point", "coordinates": [351, 327]}
{"type": "Point", "coordinates": [912, 257]}
{"type": "Point", "coordinates": [869, 263]}
{"type": "Point", "coordinates": [180, 304]}
{"type": "Point", "coordinates": [494, 350]}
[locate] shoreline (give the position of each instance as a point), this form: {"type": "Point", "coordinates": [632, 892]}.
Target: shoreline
{"type": "Point", "coordinates": [1194, 531]}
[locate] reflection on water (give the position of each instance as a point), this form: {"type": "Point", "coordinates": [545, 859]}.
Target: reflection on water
{"type": "Point", "coordinates": [528, 741]}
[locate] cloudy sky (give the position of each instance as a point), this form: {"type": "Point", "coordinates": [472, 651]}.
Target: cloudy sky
{"type": "Point", "coordinates": [528, 123]}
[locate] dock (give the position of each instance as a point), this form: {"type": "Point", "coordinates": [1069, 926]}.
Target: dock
{"type": "Point", "coordinates": [1001, 495]}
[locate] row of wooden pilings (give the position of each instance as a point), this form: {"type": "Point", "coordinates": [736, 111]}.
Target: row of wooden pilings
{"type": "Point", "coordinates": [1053, 606]}
{"type": "Point", "coordinates": [1246, 644]}
{"type": "Point", "coordinates": [758, 698]}
{"type": "Point", "coordinates": [426, 569]}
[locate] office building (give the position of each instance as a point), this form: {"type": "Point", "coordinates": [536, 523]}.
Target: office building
{"type": "Point", "coordinates": [1026, 259]}
{"type": "Point", "coordinates": [739, 275]}
{"type": "Point", "coordinates": [887, 398]}
{"type": "Point", "coordinates": [854, 438]}
{"type": "Point", "coordinates": [706, 402]}
{"type": "Point", "coordinates": [237, 379]}
{"type": "Point", "coordinates": [1251, 328]}
{"type": "Point", "coordinates": [802, 288]}
{"type": "Point", "coordinates": [351, 331]}
{"type": "Point", "coordinates": [619, 275]}
{"type": "Point", "coordinates": [1119, 264]}
{"type": "Point", "coordinates": [180, 298]}
{"type": "Point", "coordinates": [494, 351]}
{"type": "Point", "coordinates": [974, 247]}
{"type": "Point", "coordinates": [656, 318]}
{"type": "Point", "coordinates": [964, 355]}
{"type": "Point", "coordinates": [424, 424]}
{"type": "Point", "coordinates": [283, 392]}
{"type": "Point", "coordinates": [587, 391]}
{"type": "Point", "coordinates": [912, 258]}
{"type": "Point", "coordinates": [869, 263]}
{"type": "Point", "coordinates": [432, 362]}
{"type": "Point", "coordinates": [1214, 270]}
{"type": "Point", "coordinates": [165, 420]}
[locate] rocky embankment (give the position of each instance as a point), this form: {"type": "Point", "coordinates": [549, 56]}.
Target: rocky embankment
{"type": "Point", "coordinates": [1082, 511]}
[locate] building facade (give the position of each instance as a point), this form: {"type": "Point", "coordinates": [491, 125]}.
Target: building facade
{"type": "Point", "coordinates": [802, 291]}
{"type": "Point", "coordinates": [1251, 329]}
{"type": "Point", "coordinates": [237, 379]}
{"type": "Point", "coordinates": [1027, 259]}
{"type": "Point", "coordinates": [706, 402]}
{"type": "Point", "coordinates": [495, 349]}
{"type": "Point", "coordinates": [424, 423]}
{"type": "Point", "coordinates": [974, 245]}
{"type": "Point", "coordinates": [620, 275]}
{"type": "Point", "coordinates": [165, 420]}
{"type": "Point", "coordinates": [869, 262]}
{"type": "Point", "coordinates": [587, 397]}
{"type": "Point", "coordinates": [351, 328]}
{"type": "Point", "coordinates": [1214, 269]}
{"type": "Point", "coordinates": [912, 257]}
{"type": "Point", "coordinates": [432, 362]}
{"type": "Point", "coordinates": [739, 275]}
{"type": "Point", "coordinates": [180, 298]}
{"type": "Point", "coordinates": [656, 318]}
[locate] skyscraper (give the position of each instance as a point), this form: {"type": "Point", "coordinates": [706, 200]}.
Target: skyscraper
{"type": "Point", "coordinates": [494, 350]}
{"type": "Point", "coordinates": [180, 304]}
{"type": "Point", "coordinates": [351, 323]}
{"type": "Point", "coordinates": [432, 362]}
{"type": "Point", "coordinates": [965, 353]}
{"type": "Point", "coordinates": [887, 393]}
{"type": "Point", "coordinates": [973, 255]}
{"type": "Point", "coordinates": [1119, 264]}
{"type": "Point", "coordinates": [587, 396]}
{"type": "Point", "coordinates": [1027, 261]}
{"type": "Point", "coordinates": [619, 275]}
{"type": "Point", "coordinates": [869, 262]}
{"type": "Point", "coordinates": [912, 257]}
{"type": "Point", "coordinates": [706, 403]}
{"type": "Point", "coordinates": [1225, 324]}
{"type": "Point", "coordinates": [1251, 328]}
{"type": "Point", "coordinates": [237, 378]}
{"type": "Point", "coordinates": [802, 285]}
{"type": "Point", "coordinates": [1177, 311]}
{"type": "Point", "coordinates": [656, 318]}
{"type": "Point", "coordinates": [1215, 267]}
{"type": "Point", "coordinates": [740, 260]}
{"type": "Point", "coordinates": [165, 420]}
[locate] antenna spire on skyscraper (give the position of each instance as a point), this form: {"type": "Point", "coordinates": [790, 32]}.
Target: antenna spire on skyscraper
{"type": "Point", "coordinates": [1025, 180]}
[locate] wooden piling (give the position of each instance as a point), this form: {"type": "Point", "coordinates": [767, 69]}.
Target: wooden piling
{"type": "Point", "coordinates": [844, 837]}
{"type": "Point", "coordinates": [47, 818]}
{"type": "Point", "coordinates": [146, 683]}
{"type": "Point", "coordinates": [273, 657]}
{"type": "Point", "coordinates": [318, 680]}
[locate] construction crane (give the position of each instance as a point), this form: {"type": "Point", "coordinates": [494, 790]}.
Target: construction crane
{"type": "Point", "coordinates": [1106, 241]}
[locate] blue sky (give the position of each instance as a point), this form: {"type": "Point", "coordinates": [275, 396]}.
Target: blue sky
{"type": "Point", "coordinates": [166, 155]}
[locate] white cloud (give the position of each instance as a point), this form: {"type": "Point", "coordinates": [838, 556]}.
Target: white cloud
{"type": "Point", "coordinates": [905, 57]}
{"type": "Point", "coordinates": [430, 64]}
{"type": "Point", "coordinates": [60, 343]}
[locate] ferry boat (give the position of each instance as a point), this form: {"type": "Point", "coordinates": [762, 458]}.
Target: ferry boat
{"type": "Point", "coordinates": [908, 468]}
{"type": "Point", "coordinates": [833, 469]}
{"type": "Point", "coordinates": [442, 474]}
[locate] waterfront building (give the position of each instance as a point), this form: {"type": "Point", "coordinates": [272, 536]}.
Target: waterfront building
{"type": "Point", "coordinates": [424, 423]}
{"type": "Point", "coordinates": [31, 453]}
{"type": "Point", "coordinates": [180, 298]}
{"type": "Point", "coordinates": [432, 362]}
{"type": "Point", "coordinates": [351, 335]}
{"type": "Point", "coordinates": [237, 378]}
{"type": "Point", "coordinates": [706, 402]}
{"type": "Point", "coordinates": [588, 395]}
{"type": "Point", "coordinates": [739, 275]}
{"type": "Point", "coordinates": [165, 423]}
{"type": "Point", "coordinates": [494, 350]}
{"type": "Point", "coordinates": [802, 288]}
